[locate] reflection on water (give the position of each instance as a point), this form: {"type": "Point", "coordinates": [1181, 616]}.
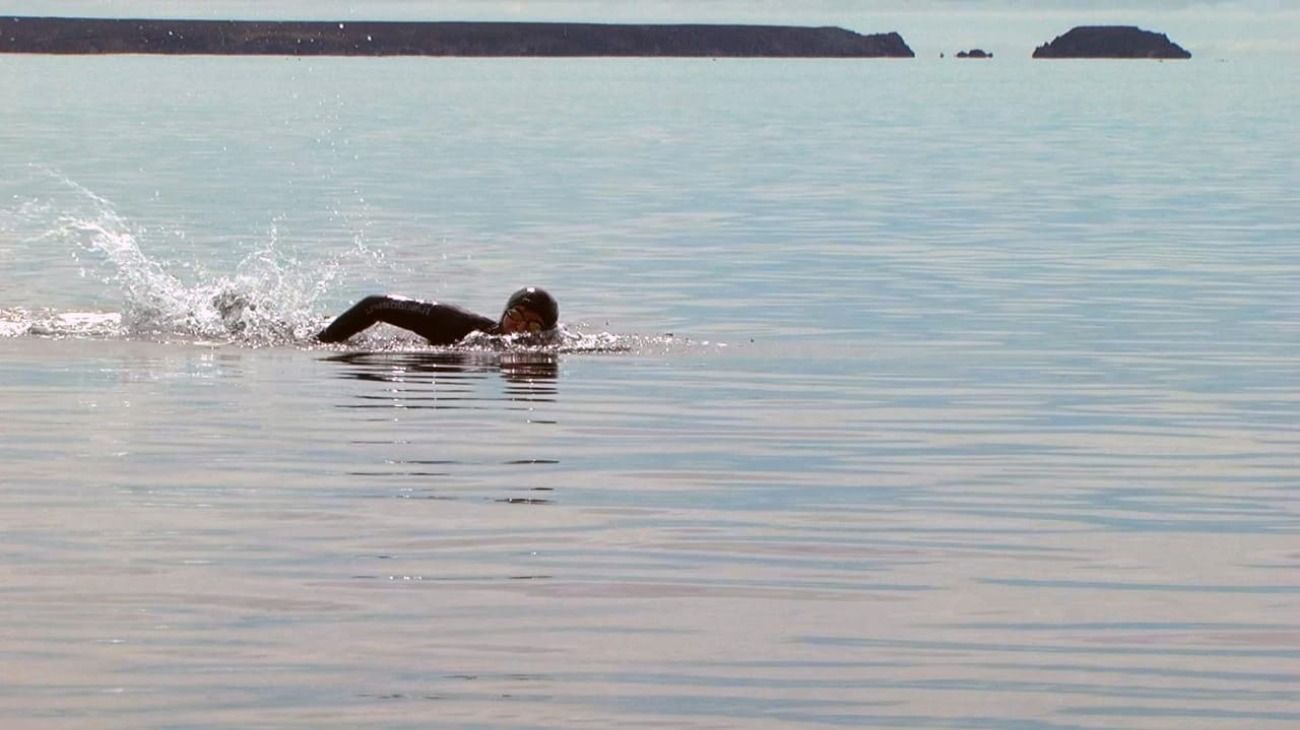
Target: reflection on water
{"type": "Point", "coordinates": [448, 380]}
{"type": "Point", "coordinates": [530, 374]}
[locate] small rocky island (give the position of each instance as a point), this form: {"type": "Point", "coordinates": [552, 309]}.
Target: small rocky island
{"type": "Point", "coordinates": [302, 38]}
{"type": "Point", "coordinates": [974, 53]}
{"type": "Point", "coordinates": [1111, 41]}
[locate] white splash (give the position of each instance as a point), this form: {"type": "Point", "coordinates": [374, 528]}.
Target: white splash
{"type": "Point", "coordinates": [269, 299]}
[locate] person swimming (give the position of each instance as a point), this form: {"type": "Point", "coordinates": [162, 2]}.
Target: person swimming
{"type": "Point", "coordinates": [530, 309]}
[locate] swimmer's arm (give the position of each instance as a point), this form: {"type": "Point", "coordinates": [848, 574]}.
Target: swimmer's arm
{"type": "Point", "coordinates": [440, 324]}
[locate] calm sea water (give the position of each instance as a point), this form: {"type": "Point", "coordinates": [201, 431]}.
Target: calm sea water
{"type": "Point", "coordinates": [893, 394]}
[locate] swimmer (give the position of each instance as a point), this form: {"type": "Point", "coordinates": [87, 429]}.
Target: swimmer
{"type": "Point", "coordinates": [528, 310]}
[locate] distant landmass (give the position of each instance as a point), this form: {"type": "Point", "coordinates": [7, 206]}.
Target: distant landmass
{"type": "Point", "coordinates": [1111, 41]}
{"type": "Point", "coordinates": [294, 38]}
{"type": "Point", "coordinates": [974, 53]}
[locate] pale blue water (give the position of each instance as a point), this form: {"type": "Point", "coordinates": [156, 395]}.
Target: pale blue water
{"type": "Point", "coordinates": [978, 408]}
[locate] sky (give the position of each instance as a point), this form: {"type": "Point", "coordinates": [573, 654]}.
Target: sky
{"type": "Point", "coordinates": [1208, 28]}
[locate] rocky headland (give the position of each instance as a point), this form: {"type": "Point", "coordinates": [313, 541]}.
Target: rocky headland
{"type": "Point", "coordinates": [294, 38]}
{"type": "Point", "coordinates": [1111, 41]}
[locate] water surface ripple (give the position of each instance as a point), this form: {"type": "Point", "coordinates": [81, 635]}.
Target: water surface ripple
{"type": "Point", "coordinates": [901, 396]}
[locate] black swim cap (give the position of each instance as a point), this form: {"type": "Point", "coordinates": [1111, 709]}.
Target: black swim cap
{"type": "Point", "coordinates": [539, 301]}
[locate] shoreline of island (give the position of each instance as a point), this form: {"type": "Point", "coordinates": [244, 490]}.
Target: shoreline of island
{"type": "Point", "coordinates": [56, 35]}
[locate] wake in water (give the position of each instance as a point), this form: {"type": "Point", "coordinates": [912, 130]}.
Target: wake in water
{"type": "Point", "coordinates": [18, 321]}
{"type": "Point", "coordinates": [269, 300]}
{"type": "Point", "coordinates": [382, 339]}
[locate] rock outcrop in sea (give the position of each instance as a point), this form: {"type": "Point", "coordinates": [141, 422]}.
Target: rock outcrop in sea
{"type": "Point", "coordinates": [974, 53]}
{"type": "Point", "coordinates": [294, 38]}
{"type": "Point", "coordinates": [1111, 41]}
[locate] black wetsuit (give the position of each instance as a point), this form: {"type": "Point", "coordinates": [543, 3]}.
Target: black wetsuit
{"type": "Point", "coordinates": [440, 324]}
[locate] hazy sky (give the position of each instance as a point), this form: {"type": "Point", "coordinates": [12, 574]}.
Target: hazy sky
{"type": "Point", "coordinates": [1208, 28]}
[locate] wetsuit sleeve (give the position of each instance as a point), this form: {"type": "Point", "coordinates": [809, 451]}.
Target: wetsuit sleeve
{"type": "Point", "coordinates": [440, 324]}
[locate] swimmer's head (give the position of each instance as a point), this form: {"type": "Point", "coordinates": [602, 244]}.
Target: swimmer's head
{"type": "Point", "coordinates": [529, 310]}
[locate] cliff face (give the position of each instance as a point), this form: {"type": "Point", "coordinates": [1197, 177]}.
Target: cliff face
{"type": "Point", "coordinates": [1111, 41]}
{"type": "Point", "coordinates": [96, 35]}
